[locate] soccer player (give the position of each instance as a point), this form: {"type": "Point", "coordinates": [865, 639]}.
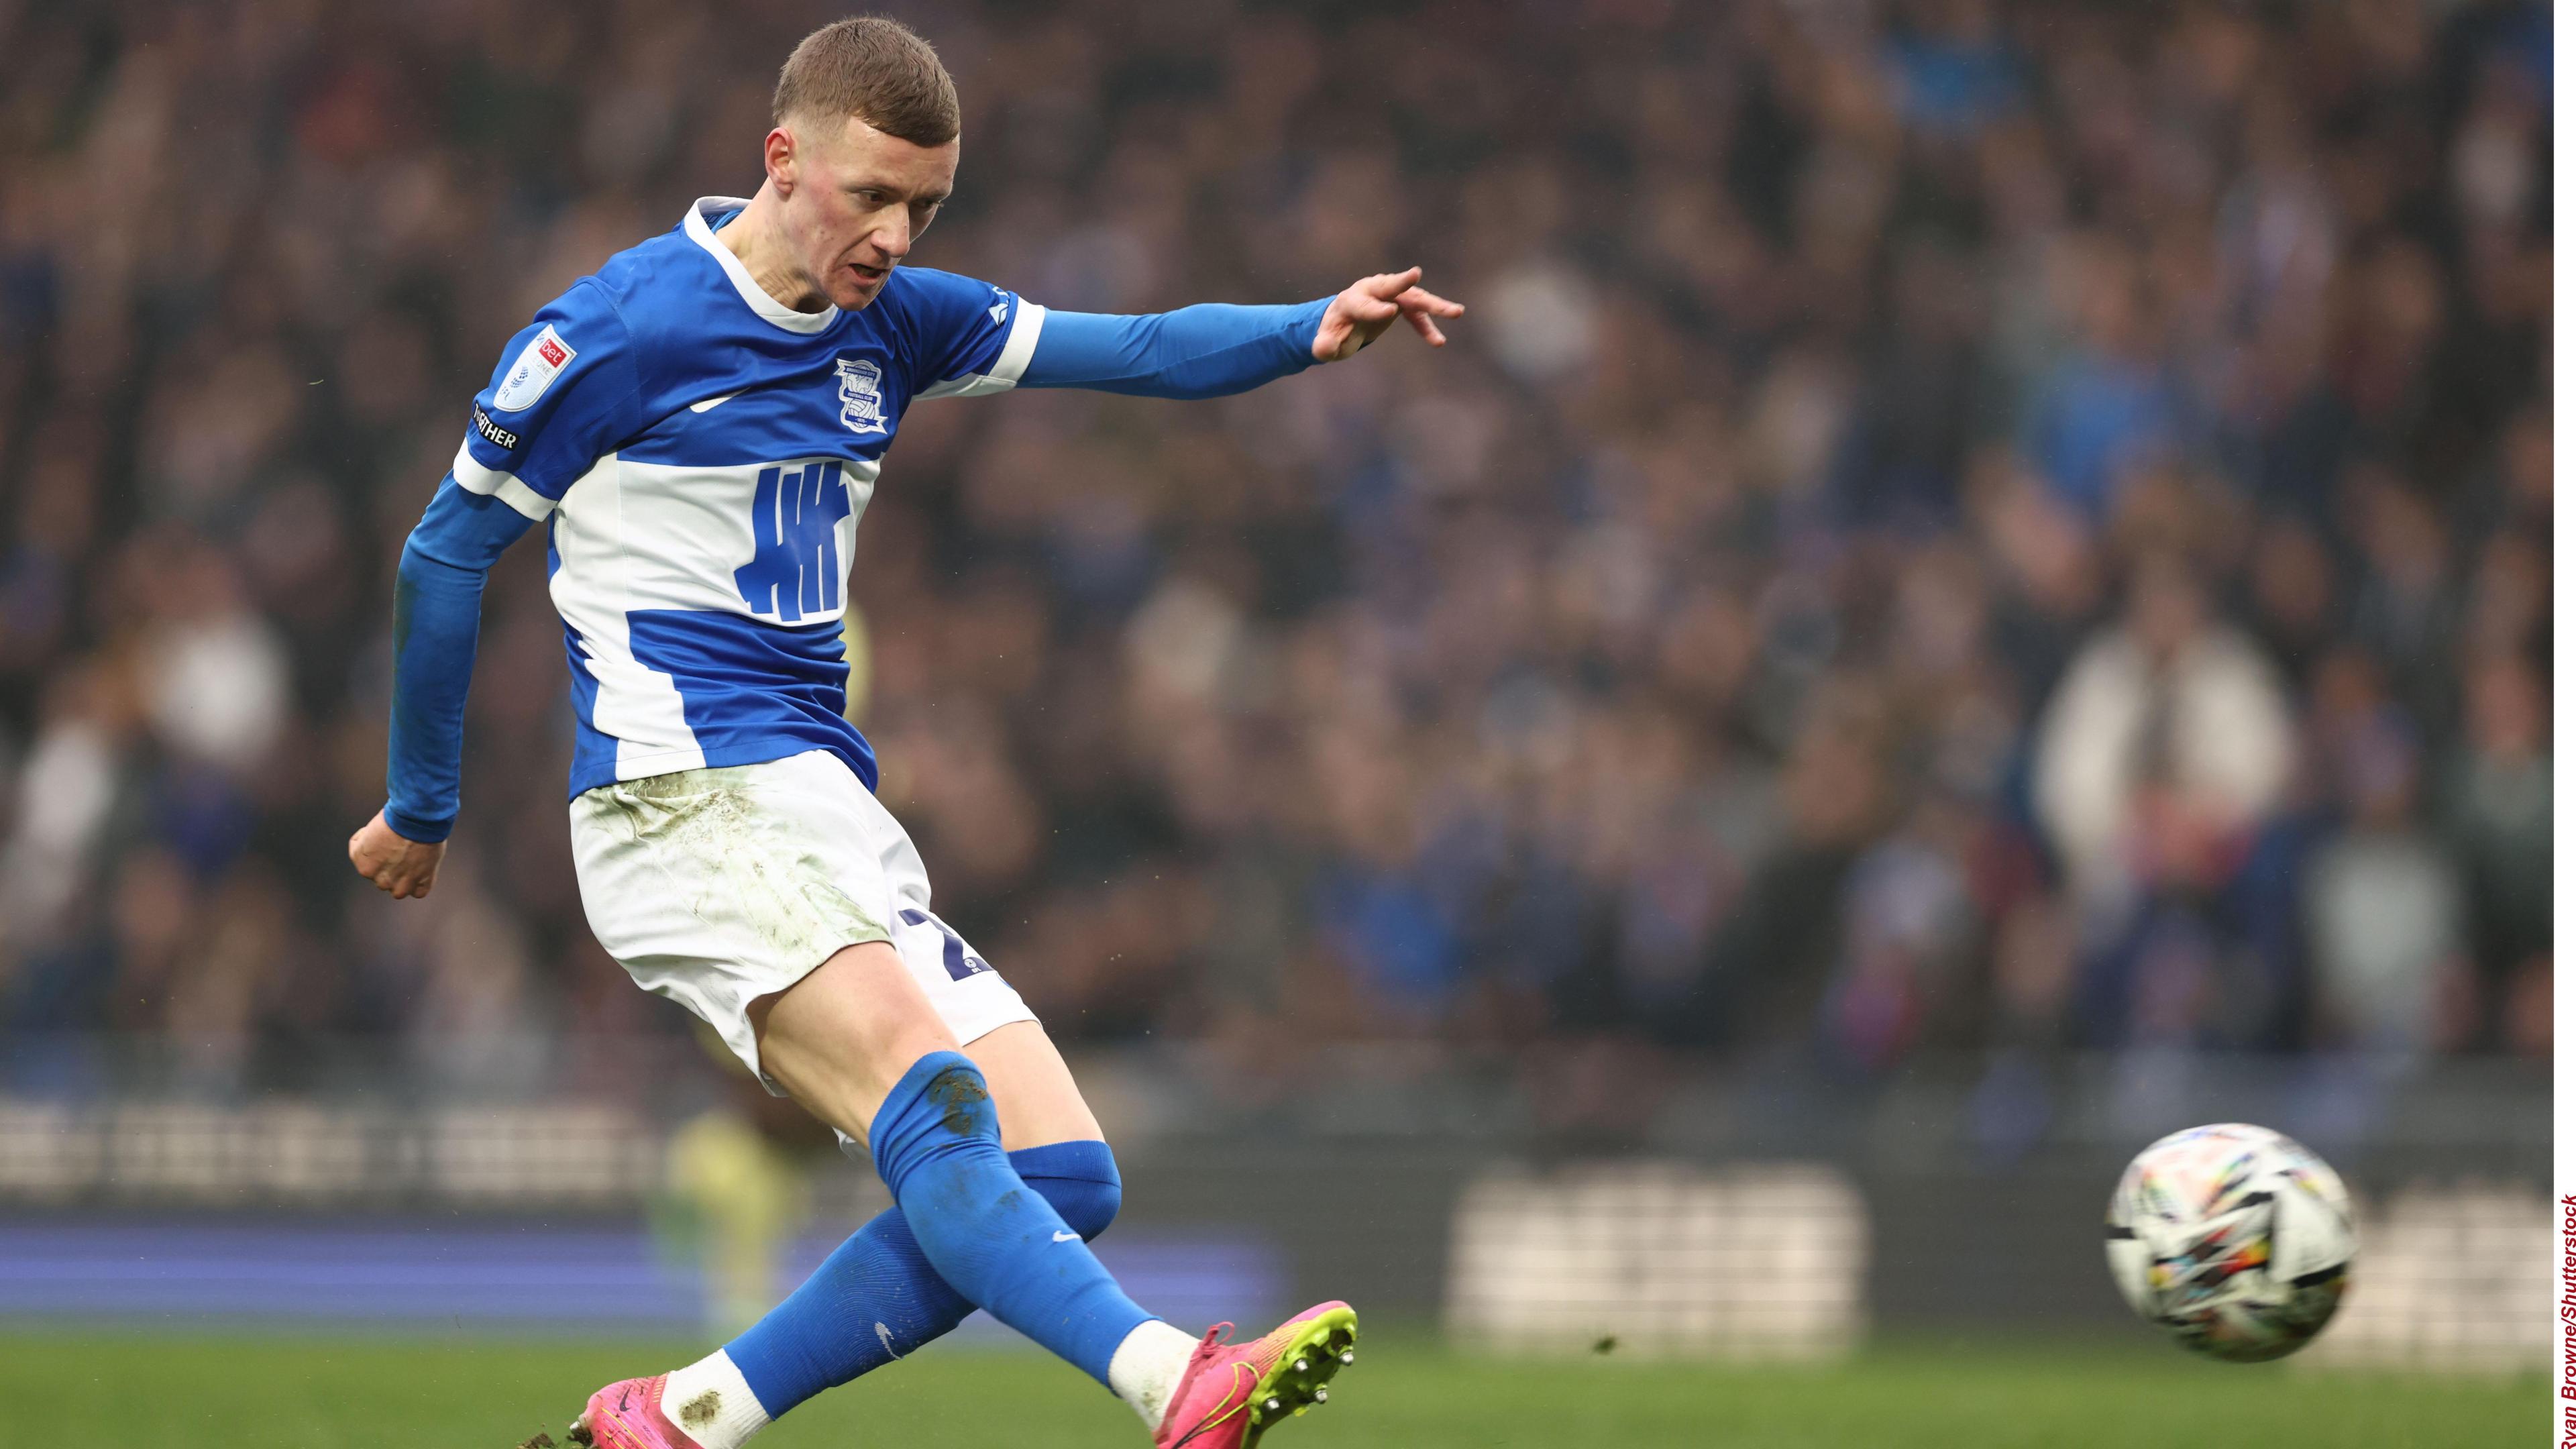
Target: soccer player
{"type": "Point", "coordinates": [699, 425]}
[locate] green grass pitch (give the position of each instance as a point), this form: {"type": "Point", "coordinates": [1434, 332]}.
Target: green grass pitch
{"type": "Point", "coordinates": [97, 1390]}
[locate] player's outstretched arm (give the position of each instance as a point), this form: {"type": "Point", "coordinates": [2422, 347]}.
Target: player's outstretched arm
{"type": "Point", "coordinates": [1215, 349]}
{"type": "Point", "coordinates": [438, 608]}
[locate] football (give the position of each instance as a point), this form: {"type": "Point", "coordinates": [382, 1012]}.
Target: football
{"type": "Point", "coordinates": [2233, 1238]}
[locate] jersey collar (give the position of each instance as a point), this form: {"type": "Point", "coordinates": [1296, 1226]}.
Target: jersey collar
{"type": "Point", "coordinates": [771, 310]}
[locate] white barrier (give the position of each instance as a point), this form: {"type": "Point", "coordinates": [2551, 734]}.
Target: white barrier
{"type": "Point", "coordinates": [1663, 1259]}
{"type": "Point", "coordinates": [2452, 1278]}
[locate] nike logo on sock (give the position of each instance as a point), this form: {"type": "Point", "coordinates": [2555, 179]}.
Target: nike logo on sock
{"type": "Point", "coordinates": [1068, 1237]}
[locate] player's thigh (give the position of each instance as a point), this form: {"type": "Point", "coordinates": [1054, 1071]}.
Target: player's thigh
{"type": "Point", "coordinates": [841, 1038]}
{"type": "Point", "coordinates": [1033, 1090]}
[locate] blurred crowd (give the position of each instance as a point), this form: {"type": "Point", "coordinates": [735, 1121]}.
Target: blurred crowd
{"type": "Point", "coordinates": [1949, 524]}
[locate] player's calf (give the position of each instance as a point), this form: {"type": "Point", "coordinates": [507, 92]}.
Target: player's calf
{"type": "Point", "coordinates": [877, 1298]}
{"type": "Point", "coordinates": [938, 1145]}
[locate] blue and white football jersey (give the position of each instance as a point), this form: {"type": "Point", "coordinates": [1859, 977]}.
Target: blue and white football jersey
{"type": "Point", "coordinates": [700, 455]}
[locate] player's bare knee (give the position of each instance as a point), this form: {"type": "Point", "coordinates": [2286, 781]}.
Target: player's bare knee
{"type": "Point", "coordinates": [1035, 1091]}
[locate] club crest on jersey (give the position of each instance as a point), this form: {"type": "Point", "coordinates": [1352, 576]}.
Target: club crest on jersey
{"type": "Point", "coordinates": [538, 365]}
{"type": "Point", "coordinates": [862, 394]}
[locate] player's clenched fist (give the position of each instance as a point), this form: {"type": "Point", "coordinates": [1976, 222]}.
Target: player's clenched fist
{"type": "Point", "coordinates": [400, 868]}
{"type": "Point", "coordinates": [1370, 305]}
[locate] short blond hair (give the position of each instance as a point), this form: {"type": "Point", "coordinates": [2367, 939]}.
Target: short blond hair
{"type": "Point", "coordinates": [875, 69]}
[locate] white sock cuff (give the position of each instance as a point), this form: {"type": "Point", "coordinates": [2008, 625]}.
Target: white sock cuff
{"type": "Point", "coordinates": [1148, 1365]}
{"type": "Point", "coordinates": [712, 1404]}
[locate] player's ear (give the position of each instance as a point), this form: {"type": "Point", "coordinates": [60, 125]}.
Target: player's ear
{"type": "Point", "coordinates": [778, 158]}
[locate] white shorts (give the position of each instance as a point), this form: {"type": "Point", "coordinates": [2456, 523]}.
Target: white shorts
{"type": "Point", "coordinates": [718, 887]}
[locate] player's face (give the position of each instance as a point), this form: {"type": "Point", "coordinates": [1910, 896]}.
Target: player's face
{"type": "Point", "coordinates": [859, 198]}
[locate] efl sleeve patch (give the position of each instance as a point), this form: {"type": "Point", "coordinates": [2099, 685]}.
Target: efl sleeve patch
{"type": "Point", "coordinates": [539, 364]}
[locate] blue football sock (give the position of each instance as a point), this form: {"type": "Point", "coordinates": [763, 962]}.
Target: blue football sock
{"type": "Point", "coordinates": [1078, 1179]}
{"type": "Point", "coordinates": [995, 1239]}
{"type": "Point", "coordinates": [876, 1298]}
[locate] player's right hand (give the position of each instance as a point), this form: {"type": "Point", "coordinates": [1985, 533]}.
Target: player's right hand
{"type": "Point", "coordinates": [400, 868]}
{"type": "Point", "coordinates": [1370, 305]}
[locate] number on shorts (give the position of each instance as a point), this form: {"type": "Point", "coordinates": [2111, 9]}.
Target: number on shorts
{"type": "Point", "coordinates": [961, 963]}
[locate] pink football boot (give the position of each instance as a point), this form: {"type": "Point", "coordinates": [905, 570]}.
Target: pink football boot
{"type": "Point", "coordinates": [1232, 1392]}
{"type": "Point", "coordinates": [628, 1415]}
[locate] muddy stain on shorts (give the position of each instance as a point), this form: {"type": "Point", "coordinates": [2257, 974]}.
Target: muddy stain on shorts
{"type": "Point", "coordinates": [725, 848]}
